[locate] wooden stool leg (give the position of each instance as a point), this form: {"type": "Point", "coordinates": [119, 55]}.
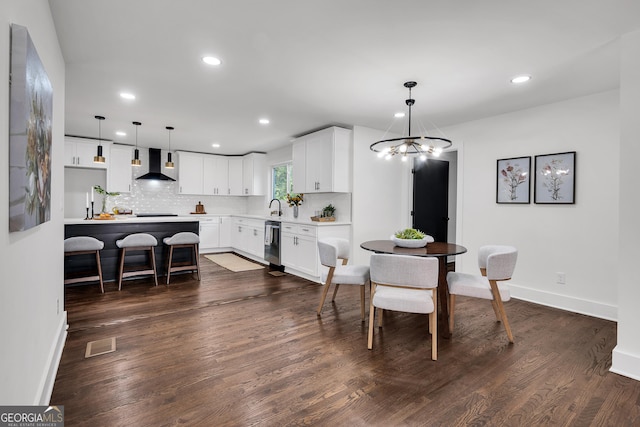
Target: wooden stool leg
{"type": "Point", "coordinates": [335, 292]}
{"type": "Point", "coordinates": [99, 271]}
{"type": "Point", "coordinates": [124, 251]}
{"type": "Point", "coordinates": [153, 265]}
{"type": "Point", "coordinates": [503, 314]}
{"type": "Point", "coordinates": [196, 249]}
{"type": "Point", "coordinates": [452, 307]}
{"type": "Point", "coordinates": [169, 265]}
{"type": "Point", "coordinates": [362, 302]}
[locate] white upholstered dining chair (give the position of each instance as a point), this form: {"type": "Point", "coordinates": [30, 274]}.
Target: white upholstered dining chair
{"type": "Point", "coordinates": [404, 283]}
{"type": "Point", "coordinates": [331, 250]}
{"type": "Point", "coordinates": [497, 264]}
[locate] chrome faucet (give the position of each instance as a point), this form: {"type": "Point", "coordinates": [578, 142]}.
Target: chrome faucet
{"type": "Point", "coordinates": [279, 206]}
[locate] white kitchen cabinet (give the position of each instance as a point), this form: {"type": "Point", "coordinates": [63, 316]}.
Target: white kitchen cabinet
{"type": "Point", "coordinates": [216, 175]}
{"type": "Point", "coordinates": [321, 161]}
{"type": "Point", "coordinates": [190, 173]}
{"type": "Point", "coordinates": [79, 152]}
{"type": "Point", "coordinates": [235, 176]}
{"type": "Point", "coordinates": [253, 174]}
{"type": "Point", "coordinates": [119, 174]}
{"type": "Point", "coordinates": [209, 234]}
{"type": "Point", "coordinates": [299, 248]}
{"type": "Point", "coordinates": [226, 227]}
{"type": "Point", "coordinates": [248, 236]}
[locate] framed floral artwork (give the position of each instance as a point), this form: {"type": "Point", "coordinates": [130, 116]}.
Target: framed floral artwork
{"type": "Point", "coordinates": [30, 135]}
{"type": "Point", "coordinates": [512, 180]}
{"type": "Point", "coordinates": [555, 181]}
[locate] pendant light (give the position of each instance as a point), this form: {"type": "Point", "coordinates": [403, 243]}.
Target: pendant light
{"type": "Point", "coordinates": [136, 154]}
{"type": "Point", "coordinates": [169, 163]}
{"type": "Point", "coordinates": [98, 158]}
{"type": "Point", "coordinates": [418, 145]}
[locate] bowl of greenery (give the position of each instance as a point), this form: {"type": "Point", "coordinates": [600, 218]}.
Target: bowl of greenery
{"type": "Point", "coordinates": [411, 238]}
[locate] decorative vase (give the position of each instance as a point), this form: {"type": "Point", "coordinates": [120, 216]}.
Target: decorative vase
{"type": "Point", "coordinates": [104, 205]}
{"type": "Point", "coordinates": [295, 211]}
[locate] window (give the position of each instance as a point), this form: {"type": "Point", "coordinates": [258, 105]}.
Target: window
{"type": "Point", "coordinates": [282, 180]}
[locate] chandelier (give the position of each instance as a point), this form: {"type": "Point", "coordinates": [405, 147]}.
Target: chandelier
{"type": "Point", "coordinates": [410, 145]}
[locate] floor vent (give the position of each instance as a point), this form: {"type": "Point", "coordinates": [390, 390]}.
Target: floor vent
{"type": "Point", "coordinates": [96, 348]}
{"type": "Point", "coordinates": [277, 273]}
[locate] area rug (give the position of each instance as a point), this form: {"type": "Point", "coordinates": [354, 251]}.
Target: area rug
{"type": "Point", "coordinates": [233, 262]}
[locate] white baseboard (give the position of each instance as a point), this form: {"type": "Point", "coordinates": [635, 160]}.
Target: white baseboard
{"type": "Point", "coordinates": [55, 354]}
{"type": "Point", "coordinates": [625, 364]}
{"type": "Point", "coordinates": [564, 302]}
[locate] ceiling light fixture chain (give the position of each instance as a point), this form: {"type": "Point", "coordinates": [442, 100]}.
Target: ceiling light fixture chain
{"type": "Point", "coordinates": [410, 145]}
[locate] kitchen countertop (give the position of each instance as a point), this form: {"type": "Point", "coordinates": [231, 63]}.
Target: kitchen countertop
{"type": "Point", "coordinates": [186, 218]}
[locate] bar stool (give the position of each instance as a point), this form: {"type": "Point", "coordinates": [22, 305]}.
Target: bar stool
{"type": "Point", "coordinates": [183, 240]}
{"type": "Point", "coordinates": [84, 245]}
{"type": "Point", "coordinates": [137, 242]}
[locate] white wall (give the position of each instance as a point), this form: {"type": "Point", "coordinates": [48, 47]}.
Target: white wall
{"type": "Point", "coordinates": [550, 238]}
{"type": "Point", "coordinates": [381, 200]}
{"type": "Point", "coordinates": [626, 355]}
{"type": "Point", "coordinates": [32, 319]}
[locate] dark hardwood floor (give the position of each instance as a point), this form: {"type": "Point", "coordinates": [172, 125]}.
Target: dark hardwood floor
{"type": "Point", "coordinates": [247, 348]}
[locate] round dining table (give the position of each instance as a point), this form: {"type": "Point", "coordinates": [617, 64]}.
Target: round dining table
{"type": "Point", "coordinates": [440, 250]}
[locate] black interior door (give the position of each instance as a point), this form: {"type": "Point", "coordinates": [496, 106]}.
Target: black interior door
{"type": "Point", "coordinates": [431, 198]}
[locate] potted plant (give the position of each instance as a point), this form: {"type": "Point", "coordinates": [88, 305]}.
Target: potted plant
{"type": "Point", "coordinates": [328, 211]}
{"type": "Point", "coordinates": [411, 238]}
{"type": "Point", "coordinates": [104, 193]}
{"type": "Point", "coordinates": [295, 200]}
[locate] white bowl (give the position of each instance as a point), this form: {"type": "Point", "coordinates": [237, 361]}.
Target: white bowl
{"type": "Point", "coordinates": [412, 243]}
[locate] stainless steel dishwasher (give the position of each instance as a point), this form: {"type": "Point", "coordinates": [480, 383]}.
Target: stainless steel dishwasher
{"type": "Point", "coordinates": [272, 242]}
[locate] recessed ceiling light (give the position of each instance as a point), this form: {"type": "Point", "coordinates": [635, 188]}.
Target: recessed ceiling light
{"type": "Point", "coordinates": [120, 133]}
{"type": "Point", "coordinates": [215, 145]}
{"type": "Point", "coordinates": [398, 115]}
{"type": "Point", "coordinates": [264, 121]}
{"type": "Point", "coordinates": [126, 95]}
{"type": "Point", "coordinates": [211, 60]}
{"type": "Point", "coordinates": [521, 79]}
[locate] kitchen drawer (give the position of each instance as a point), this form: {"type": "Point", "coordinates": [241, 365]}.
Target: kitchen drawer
{"type": "Point", "coordinates": [301, 230]}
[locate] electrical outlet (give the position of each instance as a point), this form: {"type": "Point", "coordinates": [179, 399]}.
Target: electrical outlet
{"type": "Point", "coordinates": [561, 278]}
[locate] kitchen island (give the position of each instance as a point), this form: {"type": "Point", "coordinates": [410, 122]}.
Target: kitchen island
{"type": "Point", "coordinates": [109, 231]}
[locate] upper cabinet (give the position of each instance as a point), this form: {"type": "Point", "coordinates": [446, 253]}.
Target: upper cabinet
{"type": "Point", "coordinates": [119, 174]}
{"type": "Point", "coordinates": [79, 152]}
{"type": "Point", "coordinates": [215, 175]}
{"type": "Point", "coordinates": [190, 173]}
{"type": "Point", "coordinates": [253, 174]}
{"type": "Point", "coordinates": [321, 161]}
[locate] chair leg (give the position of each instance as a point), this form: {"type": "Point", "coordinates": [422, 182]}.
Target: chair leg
{"type": "Point", "coordinates": [335, 292]}
{"type": "Point", "coordinates": [122, 255]}
{"type": "Point", "coordinates": [153, 265]}
{"type": "Point", "coordinates": [99, 270]}
{"type": "Point", "coordinates": [433, 323]}
{"type": "Point", "coordinates": [372, 311]}
{"type": "Point", "coordinates": [495, 310]}
{"type": "Point", "coordinates": [503, 314]}
{"type": "Point", "coordinates": [380, 315]}
{"type": "Point", "coordinates": [452, 305]}
{"type": "Point", "coordinates": [325, 290]}
{"type": "Point", "coordinates": [169, 263]}
{"type": "Point", "coordinates": [362, 302]}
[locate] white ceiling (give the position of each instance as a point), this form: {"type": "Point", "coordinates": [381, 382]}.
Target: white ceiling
{"type": "Point", "coordinates": [308, 64]}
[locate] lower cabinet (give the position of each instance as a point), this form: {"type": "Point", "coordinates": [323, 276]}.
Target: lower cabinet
{"type": "Point", "coordinates": [248, 236]}
{"type": "Point", "coordinates": [299, 246]}
{"type": "Point", "coordinates": [209, 234]}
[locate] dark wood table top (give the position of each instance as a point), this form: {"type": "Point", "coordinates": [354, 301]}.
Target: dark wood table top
{"type": "Point", "coordinates": [434, 249]}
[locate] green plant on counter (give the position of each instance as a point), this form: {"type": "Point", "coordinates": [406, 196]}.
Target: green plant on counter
{"type": "Point", "coordinates": [410, 233]}
{"type": "Point", "coordinates": [104, 193]}
{"type": "Point", "coordinates": [328, 211]}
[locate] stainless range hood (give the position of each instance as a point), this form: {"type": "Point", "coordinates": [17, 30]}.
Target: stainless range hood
{"type": "Point", "coordinates": [155, 166]}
